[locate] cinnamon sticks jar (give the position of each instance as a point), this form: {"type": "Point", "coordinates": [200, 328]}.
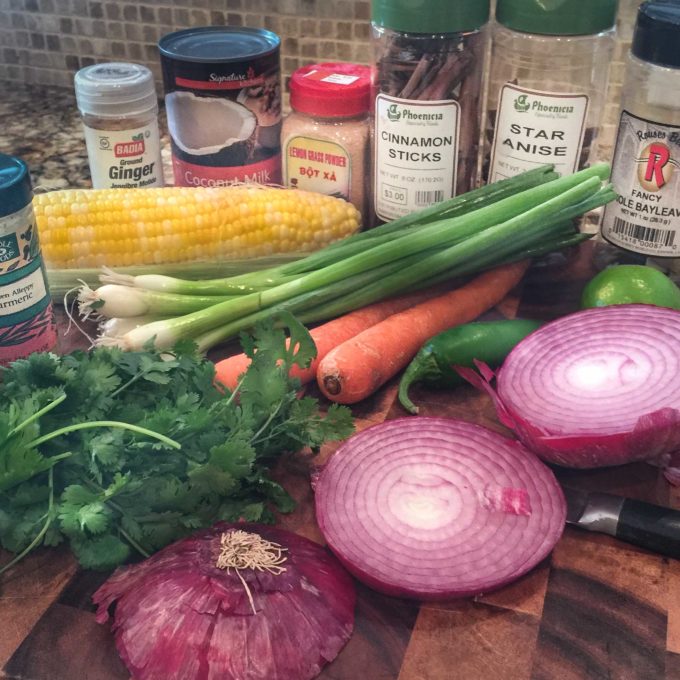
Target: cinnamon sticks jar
{"type": "Point", "coordinates": [428, 66]}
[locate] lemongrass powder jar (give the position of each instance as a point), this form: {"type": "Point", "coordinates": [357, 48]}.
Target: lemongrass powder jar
{"type": "Point", "coordinates": [325, 138]}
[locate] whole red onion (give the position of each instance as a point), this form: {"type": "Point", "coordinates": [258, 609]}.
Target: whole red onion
{"type": "Point", "coordinates": [178, 616]}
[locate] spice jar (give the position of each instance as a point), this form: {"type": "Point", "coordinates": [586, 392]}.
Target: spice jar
{"type": "Point", "coordinates": [646, 217]}
{"type": "Point", "coordinates": [326, 135]}
{"type": "Point", "coordinates": [547, 84]}
{"type": "Point", "coordinates": [26, 316]}
{"type": "Point", "coordinates": [119, 109]}
{"type": "Point", "coordinates": [429, 58]}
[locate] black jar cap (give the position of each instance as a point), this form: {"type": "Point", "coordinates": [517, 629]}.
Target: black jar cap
{"type": "Point", "coordinates": [657, 33]}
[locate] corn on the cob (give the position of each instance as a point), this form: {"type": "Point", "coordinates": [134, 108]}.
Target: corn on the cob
{"type": "Point", "coordinates": [124, 227]}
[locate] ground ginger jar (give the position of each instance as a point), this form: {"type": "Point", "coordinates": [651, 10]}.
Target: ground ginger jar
{"type": "Point", "coordinates": [118, 105]}
{"type": "Point", "coordinates": [325, 138]}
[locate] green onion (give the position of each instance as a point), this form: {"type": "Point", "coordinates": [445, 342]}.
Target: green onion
{"type": "Point", "coordinates": [507, 229]}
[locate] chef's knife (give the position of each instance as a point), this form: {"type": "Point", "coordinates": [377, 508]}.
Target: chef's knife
{"type": "Point", "coordinates": [643, 524]}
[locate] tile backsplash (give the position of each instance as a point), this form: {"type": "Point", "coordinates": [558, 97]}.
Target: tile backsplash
{"type": "Point", "coordinates": [47, 41]}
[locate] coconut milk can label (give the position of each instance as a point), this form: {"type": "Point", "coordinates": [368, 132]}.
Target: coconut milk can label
{"type": "Point", "coordinates": [122, 159]}
{"type": "Point", "coordinates": [646, 216]}
{"type": "Point", "coordinates": [26, 319]}
{"type": "Point", "coordinates": [316, 165]}
{"type": "Point", "coordinates": [416, 151]}
{"type": "Point", "coordinates": [224, 121]}
{"type": "Point", "coordinates": [534, 128]}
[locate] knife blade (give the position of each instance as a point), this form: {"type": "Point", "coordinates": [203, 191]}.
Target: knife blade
{"type": "Point", "coordinates": [645, 525]}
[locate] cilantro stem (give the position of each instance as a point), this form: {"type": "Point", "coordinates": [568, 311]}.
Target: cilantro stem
{"type": "Point", "coordinates": [41, 534]}
{"type": "Point", "coordinates": [45, 409]}
{"type": "Point", "coordinates": [105, 423]}
{"type": "Point", "coordinates": [133, 543]}
{"type": "Point", "coordinates": [234, 392]}
{"type": "Point", "coordinates": [266, 423]}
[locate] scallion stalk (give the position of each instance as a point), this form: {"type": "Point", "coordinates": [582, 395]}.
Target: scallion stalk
{"type": "Point", "coordinates": [115, 301]}
{"type": "Point", "coordinates": [452, 247]}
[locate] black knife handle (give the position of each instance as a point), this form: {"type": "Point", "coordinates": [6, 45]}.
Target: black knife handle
{"type": "Point", "coordinates": [650, 526]}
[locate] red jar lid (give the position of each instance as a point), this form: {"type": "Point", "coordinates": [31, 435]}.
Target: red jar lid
{"type": "Point", "coordinates": [331, 90]}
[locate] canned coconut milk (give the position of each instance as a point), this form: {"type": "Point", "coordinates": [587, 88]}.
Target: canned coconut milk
{"type": "Point", "coordinates": [223, 102]}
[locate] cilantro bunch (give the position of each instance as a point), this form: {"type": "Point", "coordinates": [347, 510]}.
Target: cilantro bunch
{"type": "Point", "coordinates": [124, 452]}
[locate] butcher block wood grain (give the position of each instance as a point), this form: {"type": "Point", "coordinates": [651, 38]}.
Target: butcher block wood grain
{"type": "Point", "coordinates": [596, 609]}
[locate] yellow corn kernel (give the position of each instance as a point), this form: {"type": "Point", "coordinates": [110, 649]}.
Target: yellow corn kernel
{"type": "Point", "coordinates": [80, 228]}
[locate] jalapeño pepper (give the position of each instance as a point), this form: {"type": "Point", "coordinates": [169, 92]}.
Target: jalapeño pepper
{"type": "Point", "coordinates": [487, 341]}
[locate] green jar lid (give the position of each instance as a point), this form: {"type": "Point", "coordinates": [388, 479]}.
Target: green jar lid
{"type": "Point", "coordinates": [557, 17]}
{"type": "Point", "coordinates": [431, 16]}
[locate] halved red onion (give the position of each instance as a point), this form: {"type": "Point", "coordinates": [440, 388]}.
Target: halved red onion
{"type": "Point", "coordinates": [595, 388]}
{"type": "Point", "coordinates": [432, 508]}
{"type": "Point", "coordinates": [180, 617]}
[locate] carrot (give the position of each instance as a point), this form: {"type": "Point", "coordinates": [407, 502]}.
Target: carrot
{"type": "Point", "coordinates": [328, 335]}
{"type": "Point", "coordinates": [358, 367]}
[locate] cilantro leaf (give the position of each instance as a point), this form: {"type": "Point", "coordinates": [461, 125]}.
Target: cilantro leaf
{"type": "Point", "coordinates": [101, 553]}
{"type": "Point", "coordinates": [18, 527]}
{"type": "Point", "coordinates": [235, 457]}
{"type": "Point", "coordinates": [209, 479]}
{"type": "Point", "coordinates": [82, 512]}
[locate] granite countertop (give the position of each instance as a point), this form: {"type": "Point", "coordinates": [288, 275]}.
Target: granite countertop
{"type": "Point", "coordinates": [41, 125]}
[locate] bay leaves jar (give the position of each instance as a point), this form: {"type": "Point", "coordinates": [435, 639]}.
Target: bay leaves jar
{"type": "Point", "coordinates": [325, 138]}
{"type": "Point", "coordinates": [645, 220]}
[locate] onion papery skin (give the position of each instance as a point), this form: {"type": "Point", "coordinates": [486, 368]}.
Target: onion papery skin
{"type": "Point", "coordinates": [178, 617]}
{"type": "Point", "coordinates": [411, 508]}
{"type": "Point", "coordinates": [596, 388]}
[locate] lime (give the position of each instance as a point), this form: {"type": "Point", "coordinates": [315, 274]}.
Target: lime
{"type": "Point", "coordinates": [627, 283]}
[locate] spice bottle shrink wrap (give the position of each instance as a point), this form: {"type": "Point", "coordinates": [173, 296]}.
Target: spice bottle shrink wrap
{"type": "Point", "coordinates": [325, 138]}
{"type": "Point", "coordinates": [547, 84]}
{"type": "Point", "coordinates": [26, 315]}
{"type": "Point", "coordinates": [645, 219]}
{"type": "Point", "coordinates": [429, 60]}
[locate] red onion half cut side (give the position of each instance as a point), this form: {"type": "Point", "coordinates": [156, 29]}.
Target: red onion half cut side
{"type": "Point", "coordinates": [596, 388]}
{"type": "Point", "coordinates": [432, 508]}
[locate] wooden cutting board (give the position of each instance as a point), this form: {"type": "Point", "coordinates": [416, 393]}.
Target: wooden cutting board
{"type": "Point", "coordinates": [595, 609]}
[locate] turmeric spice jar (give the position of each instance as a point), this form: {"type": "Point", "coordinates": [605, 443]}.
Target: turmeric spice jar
{"type": "Point", "coordinates": [325, 139]}
{"type": "Point", "coordinates": [26, 317]}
